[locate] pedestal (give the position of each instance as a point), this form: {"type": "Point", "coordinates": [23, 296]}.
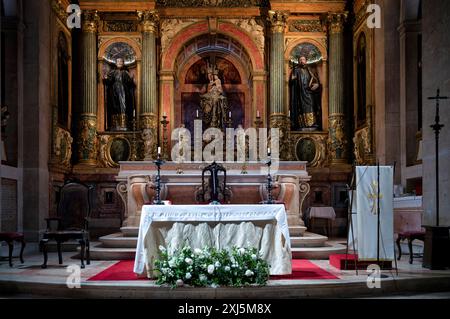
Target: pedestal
{"type": "Point", "coordinates": [437, 247]}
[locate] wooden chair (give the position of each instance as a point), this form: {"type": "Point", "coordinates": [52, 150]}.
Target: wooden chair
{"type": "Point", "coordinates": [408, 226]}
{"type": "Point", "coordinates": [10, 238]}
{"type": "Point", "coordinates": [73, 212]}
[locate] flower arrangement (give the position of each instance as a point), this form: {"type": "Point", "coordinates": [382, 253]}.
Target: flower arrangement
{"type": "Point", "coordinates": [235, 267]}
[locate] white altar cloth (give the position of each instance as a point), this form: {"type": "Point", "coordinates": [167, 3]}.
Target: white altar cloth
{"type": "Point", "coordinates": [264, 227]}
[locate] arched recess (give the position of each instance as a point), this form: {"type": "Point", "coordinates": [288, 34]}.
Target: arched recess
{"type": "Point", "coordinates": [235, 71]}
{"type": "Point", "coordinates": [135, 68]}
{"type": "Point", "coordinates": [322, 69]}
{"type": "Point", "coordinates": [253, 71]}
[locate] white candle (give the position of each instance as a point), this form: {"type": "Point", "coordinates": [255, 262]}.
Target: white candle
{"type": "Point", "coordinates": [257, 113]}
{"type": "Point", "coordinates": [229, 114]}
{"type": "Point", "coordinates": [164, 114]}
{"type": "Point", "coordinates": [197, 113]}
{"type": "Point", "coordinates": [289, 113]}
{"type": "Point", "coordinates": [268, 150]}
{"type": "Point", "coordinates": [159, 150]}
{"type": "Point", "coordinates": [134, 113]}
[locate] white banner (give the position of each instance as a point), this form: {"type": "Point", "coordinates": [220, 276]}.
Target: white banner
{"type": "Point", "coordinates": [367, 197]}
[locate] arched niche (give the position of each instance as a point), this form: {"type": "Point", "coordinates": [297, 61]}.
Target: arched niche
{"type": "Point", "coordinates": [317, 55]}
{"type": "Point", "coordinates": [126, 48]}
{"type": "Point", "coordinates": [190, 79]}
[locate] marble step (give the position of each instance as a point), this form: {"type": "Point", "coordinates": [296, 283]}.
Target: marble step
{"type": "Point", "coordinates": [317, 252]}
{"type": "Point", "coordinates": [309, 240]}
{"type": "Point", "coordinates": [130, 231]}
{"type": "Point", "coordinates": [118, 240]}
{"type": "Point", "coordinates": [297, 231]}
{"type": "Point", "coordinates": [98, 252]}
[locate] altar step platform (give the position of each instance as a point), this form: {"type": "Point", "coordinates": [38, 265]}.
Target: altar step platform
{"type": "Point", "coordinates": [304, 245]}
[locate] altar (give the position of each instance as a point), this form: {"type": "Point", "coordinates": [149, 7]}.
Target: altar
{"type": "Point", "coordinates": [263, 227]}
{"type": "Point", "coordinates": [180, 182]}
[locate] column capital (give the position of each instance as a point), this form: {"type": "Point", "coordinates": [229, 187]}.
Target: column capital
{"type": "Point", "coordinates": [336, 21]}
{"type": "Point", "coordinates": [90, 21]}
{"type": "Point", "coordinates": [277, 20]}
{"type": "Point", "coordinates": [149, 20]}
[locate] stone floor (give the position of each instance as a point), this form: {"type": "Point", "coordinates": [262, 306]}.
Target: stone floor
{"type": "Point", "coordinates": [29, 280]}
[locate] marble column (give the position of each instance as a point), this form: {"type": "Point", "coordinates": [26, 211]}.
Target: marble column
{"type": "Point", "coordinates": [337, 141]}
{"type": "Point", "coordinates": [149, 109]}
{"type": "Point", "coordinates": [87, 141]}
{"type": "Point", "coordinates": [278, 118]}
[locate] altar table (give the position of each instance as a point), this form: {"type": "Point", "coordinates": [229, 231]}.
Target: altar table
{"type": "Point", "coordinates": [264, 227]}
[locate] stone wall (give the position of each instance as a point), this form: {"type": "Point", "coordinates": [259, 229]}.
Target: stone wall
{"type": "Point", "coordinates": [436, 74]}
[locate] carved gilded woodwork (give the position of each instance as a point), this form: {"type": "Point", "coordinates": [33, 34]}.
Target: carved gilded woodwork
{"type": "Point", "coordinates": [336, 21]}
{"type": "Point", "coordinates": [120, 26]}
{"type": "Point", "coordinates": [277, 20]}
{"type": "Point", "coordinates": [309, 147]}
{"type": "Point", "coordinates": [90, 21]}
{"type": "Point", "coordinates": [306, 26]}
{"type": "Point", "coordinates": [114, 148]}
{"type": "Point", "coordinates": [281, 122]}
{"type": "Point", "coordinates": [253, 28]}
{"type": "Point", "coordinates": [149, 20]}
{"type": "Point", "coordinates": [169, 29]}
{"type": "Point", "coordinates": [211, 3]}
{"type": "Point", "coordinates": [87, 139]}
{"type": "Point", "coordinates": [337, 142]}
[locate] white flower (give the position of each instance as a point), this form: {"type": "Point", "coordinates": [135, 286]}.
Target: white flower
{"type": "Point", "coordinates": [234, 265]}
{"type": "Point", "coordinates": [172, 262]}
{"type": "Point", "coordinates": [180, 283]}
{"type": "Point", "coordinates": [233, 261]}
{"type": "Point", "coordinates": [214, 286]}
{"type": "Point", "coordinates": [188, 275]}
{"type": "Point", "coordinates": [254, 257]}
{"type": "Point", "coordinates": [217, 264]}
{"type": "Point", "coordinates": [227, 268]}
{"type": "Point", "coordinates": [241, 251]}
{"type": "Point", "coordinates": [210, 269]}
{"type": "Point", "coordinates": [202, 278]}
{"type": "Point", "coordinates": [189, 261]}
{"type": "Point", "coordinates": [162, 248]}
{"type": "Point", "coordinates": [197, 251]}
{"type": "Point", "coordinates": [249, 273]}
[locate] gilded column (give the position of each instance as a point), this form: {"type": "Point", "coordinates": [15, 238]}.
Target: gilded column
{"type": "Point", "coordinates": [337, 140]}
{"type": "Point", "coordinates": [149, 110]}
{"type": "Point", "coordinates": [87, 153]}
{"type": "Point", "coordinates": [278, 118]}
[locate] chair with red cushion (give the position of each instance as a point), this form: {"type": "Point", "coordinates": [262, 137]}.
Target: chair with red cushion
{"type": "Point", "coordinates": [408, 225]}
{"type": "Point", "coordinates": [10, 238]}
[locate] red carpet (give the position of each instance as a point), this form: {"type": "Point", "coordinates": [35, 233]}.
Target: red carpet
{"type": "Point", "coordinates": [301, 269]}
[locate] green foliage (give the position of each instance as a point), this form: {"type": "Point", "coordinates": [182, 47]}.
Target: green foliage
{"type": "Point", "coordinates": [235, 267]}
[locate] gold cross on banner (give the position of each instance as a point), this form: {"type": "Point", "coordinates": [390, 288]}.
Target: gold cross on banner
{"type": "Point", "coordinates": [373, 197]}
